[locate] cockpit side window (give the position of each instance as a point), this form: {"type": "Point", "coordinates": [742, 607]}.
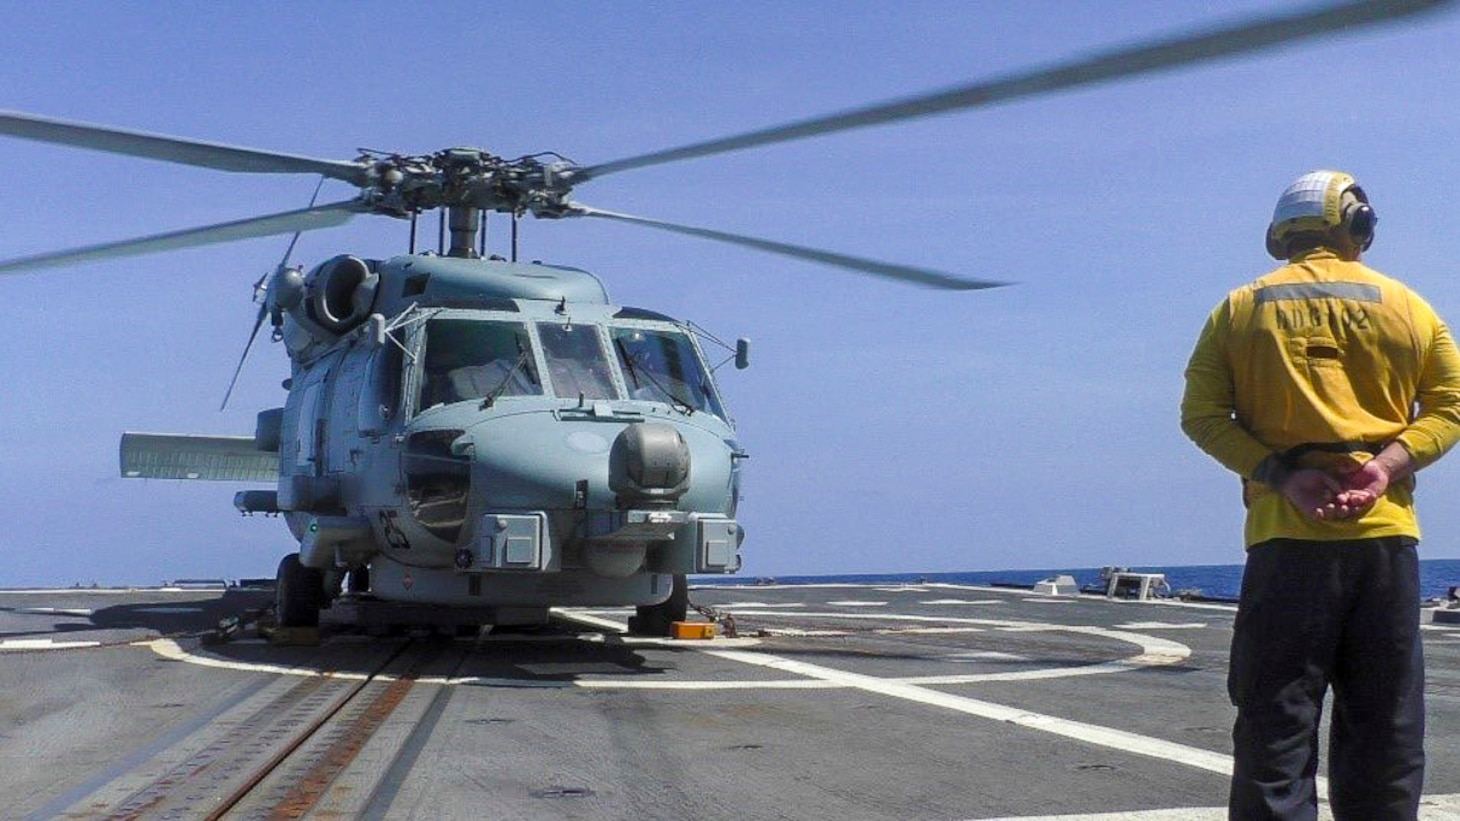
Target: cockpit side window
{"type": "Point", "coordinates": [663, 366]}
{"type": "Point", "coordinates": [468, 359]}
{"type": "Point", "coordinates": [577, 364]}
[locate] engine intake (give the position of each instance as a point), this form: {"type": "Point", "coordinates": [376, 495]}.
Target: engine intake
{"type": "Point", "coordinates": [341, 293]}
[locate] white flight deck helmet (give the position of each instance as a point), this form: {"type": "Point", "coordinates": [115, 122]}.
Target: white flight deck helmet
{"type": "Point", "coordinates": [1316, 202]}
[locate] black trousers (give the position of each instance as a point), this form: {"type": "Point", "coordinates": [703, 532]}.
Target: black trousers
{"type": "Point", "coordinates": [1315, 615]}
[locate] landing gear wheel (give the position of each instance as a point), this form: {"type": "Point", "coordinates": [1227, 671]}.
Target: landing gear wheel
{"type": "Point", "coordinates": [298, 594]}
{"type": "Point", "coordinates": [654, 619]}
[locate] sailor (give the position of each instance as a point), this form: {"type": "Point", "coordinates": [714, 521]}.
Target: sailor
{"type": "Point", "coordinates": [1325, 385]}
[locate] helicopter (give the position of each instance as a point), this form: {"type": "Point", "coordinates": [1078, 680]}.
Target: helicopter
{"type": "Point", "coordinates": [497, 437]}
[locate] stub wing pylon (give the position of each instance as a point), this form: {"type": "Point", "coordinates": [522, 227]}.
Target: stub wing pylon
{"type": "Point", "coordinates": [190, 456]}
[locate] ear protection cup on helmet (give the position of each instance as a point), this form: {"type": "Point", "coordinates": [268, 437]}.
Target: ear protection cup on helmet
{"type": "Point", "coordinates": [1359, 218]}
{"type": "Point", "coordinates": [1275, 248]}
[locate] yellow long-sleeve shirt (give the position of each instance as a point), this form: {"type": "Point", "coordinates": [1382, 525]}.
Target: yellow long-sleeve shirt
{"type": "Point", "coordinates": [1322, 352]}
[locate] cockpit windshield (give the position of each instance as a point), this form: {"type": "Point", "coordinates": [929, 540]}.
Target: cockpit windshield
{"type": "Point", "coordinates": [469, 359]}
{"type": "Point", "coordinates": [576, 362]}
{"type": "Point", "coordinates": [662, 366]}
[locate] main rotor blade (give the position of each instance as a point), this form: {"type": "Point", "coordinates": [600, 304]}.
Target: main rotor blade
{"type": "Point", "coordinates": [901, 273]}
{"type": "Point", "coordinates": [307, 219]}
{"type": "Point", "coordinates": [174, 149]}
{"type": "Point", "coordinates": [1125, 62]}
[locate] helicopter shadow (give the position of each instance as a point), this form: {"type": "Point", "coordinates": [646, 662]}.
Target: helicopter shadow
{"type": "Point", "coordinates": [182, 615]}
{"type": "Point", "coordinates": [176, 615]}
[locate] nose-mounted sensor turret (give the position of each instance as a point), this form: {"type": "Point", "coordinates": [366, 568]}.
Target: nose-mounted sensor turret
{"type": "Point", "coordinates": [648, 466]}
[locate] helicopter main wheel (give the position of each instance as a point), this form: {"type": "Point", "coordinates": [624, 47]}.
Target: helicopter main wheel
{"type": "Point", "coordinates": [298, 594]}
{"type": "Point", "coordinates": [654, 619]}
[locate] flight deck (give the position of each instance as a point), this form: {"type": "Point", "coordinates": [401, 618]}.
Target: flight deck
{"type": "Point", "coordinates": [856, 701]}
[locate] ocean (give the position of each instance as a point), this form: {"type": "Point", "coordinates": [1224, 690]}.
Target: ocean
{"type": "Point", "coordinates": [1215, 581]}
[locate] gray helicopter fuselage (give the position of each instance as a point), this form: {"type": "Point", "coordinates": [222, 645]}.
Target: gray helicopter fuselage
{"type": "Point", "coordinates": [488, 434]}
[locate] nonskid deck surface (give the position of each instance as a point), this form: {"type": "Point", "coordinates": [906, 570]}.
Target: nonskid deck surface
{"type": "Point", "coordinates": [856, 701]}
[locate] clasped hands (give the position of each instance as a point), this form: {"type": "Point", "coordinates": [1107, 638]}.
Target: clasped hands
{"type": "Point", "coordinates": [1348, 493]}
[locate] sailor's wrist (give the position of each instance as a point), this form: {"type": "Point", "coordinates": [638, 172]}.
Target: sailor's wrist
{"type": "Point", "coordinates": [1272, 472]}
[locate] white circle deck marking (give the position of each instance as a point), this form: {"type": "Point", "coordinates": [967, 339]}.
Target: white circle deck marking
{"type": "Point", "coordinates": [1155, 651]}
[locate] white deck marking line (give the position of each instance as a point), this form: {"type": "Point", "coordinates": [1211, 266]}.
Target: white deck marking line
{"type": "Point", "coordinates": [1104, 668]}
{"type": "Point", "coordinates": [796, 632]}
{"type": "Point", "coordinates": [55, 611]}
{"type": "Point", "coordinates": [697, 686]}
{"type": "Point", "coordinates": [982, 655]}
{"type": "Point", "coordinates": [818, 586]}
{"type": "Point", "coordinates": [928, 631]}
{"type": "Point", "coordinates": [589, 619]}
{"type": "Point", "coordinates": [1431, 808]}
{"type": "Point", "coordinates": [21, 645]}
{"type": "Point", "coordinates": [961, 601]}
{"type": "Point", "coordinates": [1161, 625]}
{"type": "Point", "coordinates": [857, 603]}
{"type": "Point", "coordinates": [1182, 814]}
{"type": "Point", "coordinates": [1076, 730]}
{"type": "Point", "coordinates": [68, 592]}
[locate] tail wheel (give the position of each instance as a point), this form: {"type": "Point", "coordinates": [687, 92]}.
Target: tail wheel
{"type": "Point", "coordinates": [298, 594]}
{"type": "Point", "coordinates": [654, 619]}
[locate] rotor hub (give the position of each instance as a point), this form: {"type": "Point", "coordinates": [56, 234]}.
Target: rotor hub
{"type": "Point", "coordinates": [400, 185]}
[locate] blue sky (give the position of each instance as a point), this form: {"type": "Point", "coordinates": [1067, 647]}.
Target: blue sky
{"type": "Point", "coordinates": [891, 428]}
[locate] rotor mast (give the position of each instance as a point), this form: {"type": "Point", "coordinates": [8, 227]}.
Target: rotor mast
{"type": "Point", "coordinates": [463, 222]}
